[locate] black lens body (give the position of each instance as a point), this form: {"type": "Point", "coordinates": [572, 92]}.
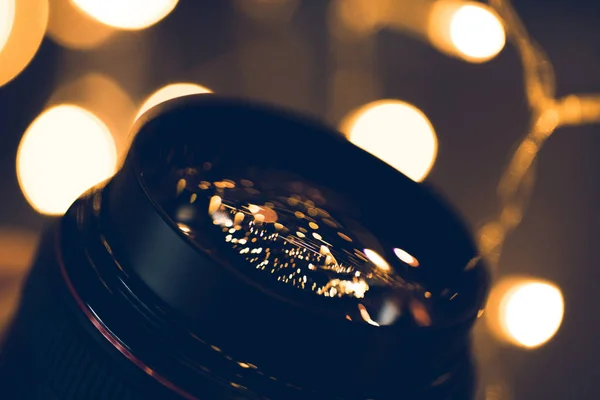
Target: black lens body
{"type": "Point", "coordinates": [243, 252]}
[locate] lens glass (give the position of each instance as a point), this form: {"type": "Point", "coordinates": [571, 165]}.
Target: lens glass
{"type": "Point", "coordinates": [300, 242]}
{"type": "Point", "coordinates": [305, 216]}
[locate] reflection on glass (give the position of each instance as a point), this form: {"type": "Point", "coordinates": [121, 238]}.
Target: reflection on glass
{"type": "Point", "coordinates": [273, 237]}
{"type": "Point", "coordinates": [395, 132]}
{"type": "Point", "coordinates": [405, 257]}
{"type": "Point", "coordinates": [127, 14]}
{"type": "Point", "coordinates": [65, 151]}
{"type": "Point", "coordinates": [420, 313]}
{"type": "Point", "coordinates": [365, 315]}
{"type": "Point", "coordinates": [298, 241]}
{"type": "Point", "coordinates": [377, 259]}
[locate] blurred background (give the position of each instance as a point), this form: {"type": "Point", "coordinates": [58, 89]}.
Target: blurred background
{"type": "Point", "coordinates": [434, 88]}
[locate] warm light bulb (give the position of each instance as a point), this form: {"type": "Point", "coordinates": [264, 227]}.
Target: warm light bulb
{"type": "Point", "coordinates": [397, 133]}
{"type": "Point", "coordinates": [476, 32]}
{"type": "Point", "coordinates": [127, 14]}
{"type": "Point", "coordinates": [22, 27]}
{"type": "Point", "coordinates": [65, 151]}
{"type": "Point", "coordinates": [468, 30]}
{"type": "Point", "coordinates": [7, 19]}
{"type": "Point", "coordinates": [532, 312]}
{"type": "Point", "coordinates": [170, 92]}
{"type": "Point", "coordinates": [525, 312]}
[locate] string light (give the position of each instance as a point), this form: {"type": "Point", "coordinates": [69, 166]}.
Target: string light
{"type": "Point", "coordinates": [397, 133]}
{"type": "Point", "coordinates": [468, 30]}
{"type": "Point", "coordinates": [477, 32]}
{"type": "Point", "coordinates": [377, 259]}
{"type": "Point", "coordinates": [170, 92]}
{"type": "Point", "coordinates": [547, 114]}
{"type": "Point", "coordinates": [525, 312]}
{"type": "Point", "coordinates": [65, 150]}
{"type": "Point", "coordinates": [22, 27]}
{"type": "Point", "coordinates": [127, 14]}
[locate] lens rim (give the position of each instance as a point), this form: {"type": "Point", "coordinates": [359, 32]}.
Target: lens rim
{"type": "Point", "coordinates": [430, 228]}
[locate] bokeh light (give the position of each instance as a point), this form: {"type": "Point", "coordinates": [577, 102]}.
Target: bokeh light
{"type": "Point", "coordinates": [64, 152]}
{"type": "Point", "coordinates": [469, 30]}
{"type": "Point", "coordinates": [127, 14]}
{"type": "Point", "coordinates": [406, 257]}
{"type": "Point", "coordinates": [22, 27]}
{"type": "Point", "coordinates": [377, 259]}
{"type": "Point", "coordinates": [525, 312]}
{"type": "Point", "coordinates": [7, 19]}
{"type": "Point", "coordinates": [397, 133]}
{"type": "Point", "coordinates": [105, 98]}
{"type": "Point", "coordinates": [477, 32]}
{"type": "Point", "coordinates": [70, 27]}
{"type": "Point", "coordinates": [169, 92]}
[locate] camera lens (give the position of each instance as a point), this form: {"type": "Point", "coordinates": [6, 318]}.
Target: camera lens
{"type": "Point", "coordinates": [243, 252]}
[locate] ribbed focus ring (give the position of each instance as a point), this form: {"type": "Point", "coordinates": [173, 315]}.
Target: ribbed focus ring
{"type": "Point", "coordinates": [55, 347]}
{"type": "Point", "coordinates": [72, 371]}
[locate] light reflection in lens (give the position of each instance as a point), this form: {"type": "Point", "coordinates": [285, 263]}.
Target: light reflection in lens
{"type": "Point", "coordinates": [405, 257]}
{"type": "Point", "coordinates": [377, 259]}
{"type": "Point", "coordinates": [365, 315]}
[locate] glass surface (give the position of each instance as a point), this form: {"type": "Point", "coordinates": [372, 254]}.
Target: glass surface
{"type": "Point", "coordinates": [303, 243]}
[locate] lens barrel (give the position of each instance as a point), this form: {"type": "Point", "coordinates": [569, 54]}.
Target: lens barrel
{"type": "Point", "coordinates": [244, 252]}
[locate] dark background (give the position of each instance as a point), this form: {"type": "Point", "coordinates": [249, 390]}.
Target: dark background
{"type": "Point", "coordinates": [479, 112]}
